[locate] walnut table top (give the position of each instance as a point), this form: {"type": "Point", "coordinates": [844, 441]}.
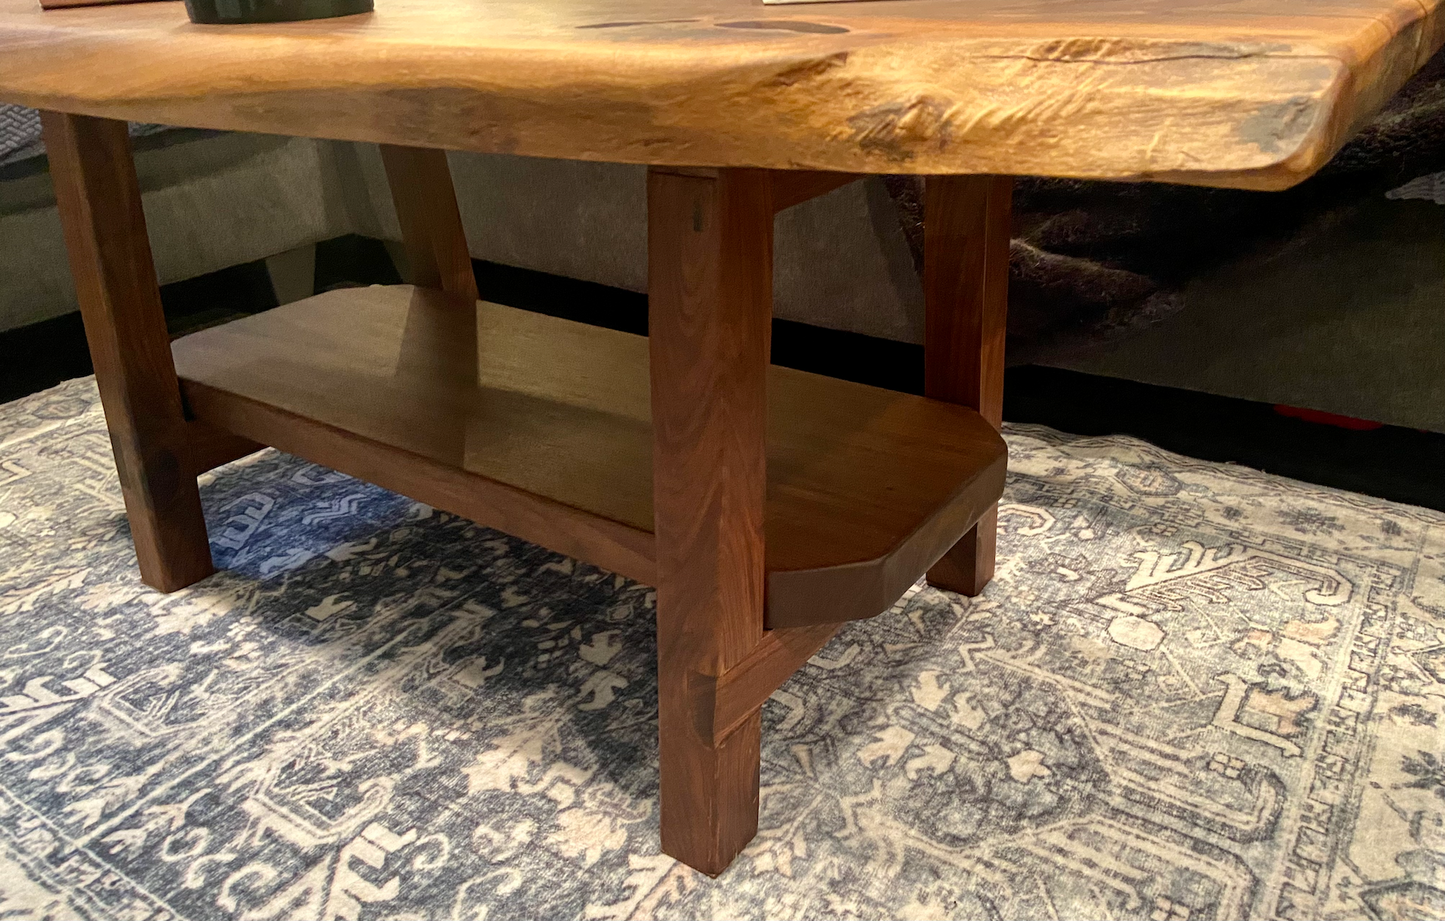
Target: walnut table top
{"type": "Point", "coordinates": [1249, 93]}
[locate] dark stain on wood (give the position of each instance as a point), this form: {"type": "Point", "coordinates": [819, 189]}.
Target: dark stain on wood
{"type": "Point", "coordinates": [811, 69]}
{"type": "Point", "coordinates": [897, 129]}
{"type": "Point", "coordinates": [633, 22]}
{"type": "Point", "coordinates": [784, 25]}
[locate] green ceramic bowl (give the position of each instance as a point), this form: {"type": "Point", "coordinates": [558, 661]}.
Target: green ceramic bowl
{"type": "Point", "coordinates": [236, 11]}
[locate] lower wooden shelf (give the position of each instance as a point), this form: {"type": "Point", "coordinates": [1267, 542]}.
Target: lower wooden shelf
{"type": "Point", "coordinates": [540, 427]}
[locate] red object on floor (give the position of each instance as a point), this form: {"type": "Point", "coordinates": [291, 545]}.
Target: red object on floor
{"type": "Point", "coordinates": [1323, 418]}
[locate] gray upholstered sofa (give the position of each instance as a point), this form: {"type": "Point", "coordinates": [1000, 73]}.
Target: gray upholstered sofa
{"type": "Point", "coordinates": [214, 200]}
{"type": "Point", "coordinates": [1353, 323]}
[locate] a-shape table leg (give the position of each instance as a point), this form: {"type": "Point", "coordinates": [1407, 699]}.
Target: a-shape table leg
{"type": "Point", "coordinates": [965, 285]}
{"type": "Point", "coordinates": [431, 223]}
{"type": "Point", "coordinates": [110, 257]}
{"type": "Point", "coordinates": [710, 248]}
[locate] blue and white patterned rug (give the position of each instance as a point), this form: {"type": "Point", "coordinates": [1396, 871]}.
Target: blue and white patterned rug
{"type": "Point", "coordinates": [1193, 691]}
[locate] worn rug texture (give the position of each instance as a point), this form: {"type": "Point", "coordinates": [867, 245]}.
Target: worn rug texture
{"type": "Point", "coordinates": [1193, 691]}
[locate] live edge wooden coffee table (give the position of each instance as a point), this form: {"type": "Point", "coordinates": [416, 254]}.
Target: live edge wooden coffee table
{"type": "Point", "coordinates": [766, 505]}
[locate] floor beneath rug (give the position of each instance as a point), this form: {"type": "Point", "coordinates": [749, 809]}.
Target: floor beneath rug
{"type": "Point", "coordinates": [1193, 691]}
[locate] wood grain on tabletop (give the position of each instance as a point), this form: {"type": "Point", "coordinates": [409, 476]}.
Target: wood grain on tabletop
{"type": "Point", "coordinates": [1252, 93]}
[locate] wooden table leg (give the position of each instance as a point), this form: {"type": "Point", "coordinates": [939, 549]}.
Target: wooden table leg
{"type": "Point", "coordinates": [431, 223]}
{"type": "Point", "coordinates": [710, 236]}
{"type": "Point", "coordinates": [115, 280]}
{"type": "Point", "coordinates": [965, 286]}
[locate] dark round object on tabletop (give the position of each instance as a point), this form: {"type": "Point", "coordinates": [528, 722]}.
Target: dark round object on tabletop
{"type": "Point", "coordinates": [226, 12]}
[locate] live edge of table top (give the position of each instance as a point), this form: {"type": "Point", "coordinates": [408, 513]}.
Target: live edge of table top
{"type": "Point", "coordinates": [1246, 93]}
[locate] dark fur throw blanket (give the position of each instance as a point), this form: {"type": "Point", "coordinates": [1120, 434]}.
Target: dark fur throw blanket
{"type": "Point", "coordinates": [1091, 262]}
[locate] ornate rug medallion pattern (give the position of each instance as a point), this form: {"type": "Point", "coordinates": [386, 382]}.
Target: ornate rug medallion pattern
{"type": "Point", "coordinates": [1193, 691]}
